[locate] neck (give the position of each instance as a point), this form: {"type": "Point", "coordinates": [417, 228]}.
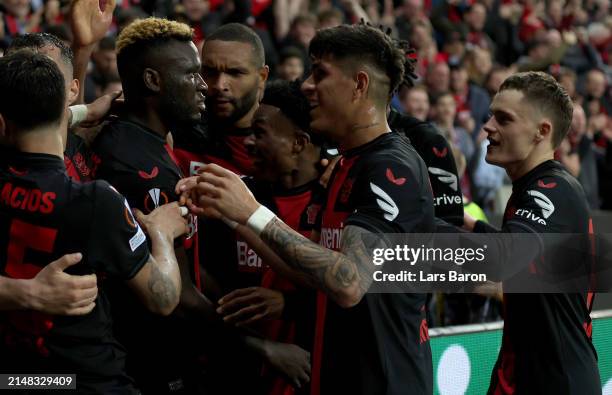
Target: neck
{"type": "Point", "coordinates": [369, 125]}
{"type": "Point", "coordinates": [519, 169]}
{"type": "Point", "coordinates": [46, 140]}
{"type": "Point", "coordinates": [145, 114]}
{"type": "Point", "coordinates": [305, 172]}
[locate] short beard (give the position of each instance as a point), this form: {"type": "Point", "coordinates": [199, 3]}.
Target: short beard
{"type": "Point", "coordinates": [241, 107]}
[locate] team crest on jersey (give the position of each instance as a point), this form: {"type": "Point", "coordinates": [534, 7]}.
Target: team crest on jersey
{"type": "Point", "coordinates": [345, 191]}
{"type": "Point", "coordinates": [312, 212]}
{"type": "Point", "coordinates": [155, 198]}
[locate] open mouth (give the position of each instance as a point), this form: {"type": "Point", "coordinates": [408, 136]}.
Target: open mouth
{"type": "Point", "coordinates": [492, 142]}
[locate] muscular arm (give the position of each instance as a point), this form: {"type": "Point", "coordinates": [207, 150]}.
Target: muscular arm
{"type": "Point", "coordinates": [344, 276]}
{"type": "Point", "coordinates": [158, 283]}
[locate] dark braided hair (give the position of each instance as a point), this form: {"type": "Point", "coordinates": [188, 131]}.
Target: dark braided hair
{"type": "Point", "coordinates": [410, 59]}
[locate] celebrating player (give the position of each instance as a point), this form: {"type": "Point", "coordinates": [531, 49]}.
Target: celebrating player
{"type": "Point", "coordinates": [45, 215]}
{"type": "Point", "coordinates": [547, 346]}
{"type": "Point", "coordinates": [373, 342]}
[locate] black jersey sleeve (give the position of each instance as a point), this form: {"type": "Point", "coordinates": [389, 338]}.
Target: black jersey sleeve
{"type": "Point", "coordinates": [448, 199]}
{"type": "Point", "coordinates": [393, 195]}
{"type": "Point", "coordinates": [547, 210]}
{"type": "Point", "coordinates": [117, 244]}
{"type": "Point", "coordinates": [436, 152]}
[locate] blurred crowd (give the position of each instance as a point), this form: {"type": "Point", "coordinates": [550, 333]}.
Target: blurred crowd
{"type": "Point", "coordinates": [464, 50]}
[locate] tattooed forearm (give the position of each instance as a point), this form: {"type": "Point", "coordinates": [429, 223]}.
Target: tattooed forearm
{"type": "Point", "coordinates": [162, 289]}
{"type": "Point", "coordinates": [345, 275]}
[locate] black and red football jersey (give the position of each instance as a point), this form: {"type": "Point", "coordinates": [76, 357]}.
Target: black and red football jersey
{"type": "Point", "coordinates": [138, 162]}
{"type": "Point", "coordinates": [547, 339]}
{"type": "Point", "coordinates": [231, 264]}
{"type": "Point", "coordinates": [44, 215]}
{"type": "Point", "coordinates": [438, 156]}
{"type": "Point", "coordinates": [78, 159]}
{"type": "Point", "coordinates": [201, 145]}
{"type": "Point", "coordinates": [379, 346]}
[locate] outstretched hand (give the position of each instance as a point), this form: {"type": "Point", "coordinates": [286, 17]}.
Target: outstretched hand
{"type": "Point", "coordinates": [89, 23]}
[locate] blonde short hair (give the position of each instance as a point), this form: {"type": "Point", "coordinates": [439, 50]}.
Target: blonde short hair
{"type": "Point", "coordinates": [152, 30]}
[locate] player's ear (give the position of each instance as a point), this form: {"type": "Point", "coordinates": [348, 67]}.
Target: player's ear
{"type": "Point", "coordinates": [151, 79]}
{"type": "Point", "coordinates": [73, 94]}
{"type": "Point", "coordinates": [362, 83]}
{"type": "Point", "coordinates": [544, 131]}
{"type": "Point", "coordinates": [300, 142]}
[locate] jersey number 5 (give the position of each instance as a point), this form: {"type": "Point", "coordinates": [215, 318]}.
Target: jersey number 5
{"type": "Point", "coordinates": [25, 236]}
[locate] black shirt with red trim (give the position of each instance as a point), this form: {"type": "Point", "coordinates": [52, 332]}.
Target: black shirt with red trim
{"type": "Point", "coordinates": [381, 345]}
{"type": "Point", "coordinates": [203, 144]}
{"type": "Point", "coordinates": [138, 162]}
{"type": "Point", "coordinates": [547, 339]}
{"type": "Point", "coordinates": [231, 264]}
{"type": "Point", "coordinates": [44, 215]}
{"type": "Point", "coordinates": [438, 156]}
{"type": "Point", "coordinates": [78, 159]}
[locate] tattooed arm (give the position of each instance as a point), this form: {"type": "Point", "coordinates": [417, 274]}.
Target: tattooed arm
{"type": "Point", "coordinates": [344, 276]}
{"type": "Point", "coordinates": [158, 283]}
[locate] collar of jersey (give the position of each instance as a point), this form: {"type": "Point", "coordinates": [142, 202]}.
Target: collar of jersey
{"type": "Point", "coordinates": [36, 160]}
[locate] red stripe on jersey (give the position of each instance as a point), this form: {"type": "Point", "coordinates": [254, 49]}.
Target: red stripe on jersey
{"type": "Point", "coordinates": [71, 169]}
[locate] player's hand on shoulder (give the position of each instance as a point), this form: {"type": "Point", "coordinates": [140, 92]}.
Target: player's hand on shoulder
{"type": "Point", "coordinates": [53, 291]}
{"type": "Point", "coordinates": [168, 219]}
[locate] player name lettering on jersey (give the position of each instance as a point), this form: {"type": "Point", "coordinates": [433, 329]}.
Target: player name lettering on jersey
{"type": "Point", "coordinates": [248, 260]}
{"type": "Point", "coordinates": [445, 199]}
{"type": "Point", "coordinates": [330, 238]}
{"type": "Point", "coordinates": [32, 200]}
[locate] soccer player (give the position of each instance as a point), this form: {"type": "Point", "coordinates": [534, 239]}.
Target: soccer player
{"type": "Point", "coordinates": [234, 69]}
{"type": "Point", "coordinates": [159, 68]}
{"type": "Point", "coordinates": [286, 160]}
{"type": "Point", "coordinates": [433, 148]}
{"type": "Point", "coordinates": [44, 214]}
{"type": "Point", "coordinates": [374, 343]}
{"type": "Point", "coordinates": [77, 155]}
{"type": "Point", "coordinates": [547, 345]}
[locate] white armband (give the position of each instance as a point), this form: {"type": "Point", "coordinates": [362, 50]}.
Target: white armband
{"type": "Point", "coordinates": [259, 219]}
{"type": "Point", "coordinates": [79, 113]}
